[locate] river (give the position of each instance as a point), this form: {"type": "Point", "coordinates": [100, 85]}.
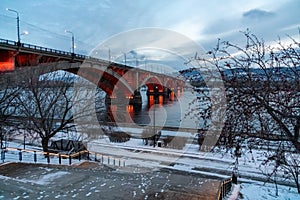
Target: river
{"type": "Point", "coordinates": [180, 112]}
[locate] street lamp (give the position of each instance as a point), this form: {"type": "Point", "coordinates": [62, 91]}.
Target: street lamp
{"type": "Point", "coordinates": [25, 33]}
{"type": "Point", "coordinates": [124, 57]}
{"type": "Point", "coordinates": [154, 115]}
{"type": "Point", "coordinates": [136, 62]}
{"type": "Point", "coordinates": [109, 57]}
{"type": "Point", "coordinates": [144, 58]}
{"type": "Point", "coordinates": [154, 131]}
{"type": "Point", "coordinates": [18, 24]}
{"type": "Point", "coordinates": [73, 40]}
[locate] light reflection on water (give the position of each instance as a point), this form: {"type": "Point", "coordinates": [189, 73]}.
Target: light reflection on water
{"type": "Point", "coordinates": [168, 114]}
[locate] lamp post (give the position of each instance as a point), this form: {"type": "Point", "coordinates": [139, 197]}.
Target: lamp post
{"type": "Point", "coordinates": [154, 131]}
{"type": "Point", "coordinates": [136, 62]}
{"type": "Point", "coordinates": [18, 24]}
{"type": "Point", "coordinates": [154, 115]}
{"type": "Point", "coordinates": [73, 40]}
{"type": "Point", "coordinates": [124, 57]}
{"type": "Point", "coordinates": [109, 57]}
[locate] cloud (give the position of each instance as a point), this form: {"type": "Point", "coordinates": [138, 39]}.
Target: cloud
{"type": "Point", "coordinates": [267, 20]}
{"type": "Point", "coordinates": [257, 14]}
{"type": "Point", "coordinates": [95, 22]}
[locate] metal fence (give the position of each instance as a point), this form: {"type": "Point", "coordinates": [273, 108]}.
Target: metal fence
{"type": "Point", "coordinates": [224, 188]}
{"type": "Point", "coordinates": [35, 156]}
{"type": "Point", "coordinates": [65, 54]}
{"type": "Point", "coordinates": [43, 49]}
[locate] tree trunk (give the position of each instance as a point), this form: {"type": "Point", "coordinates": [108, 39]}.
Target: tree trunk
{"type": "Point", "coordinates": [276, 186]}
{"type": "Point", "coordinates": [1, 140]}
{"type": "Point", "coordinates": [297, 181]}
{"type": "Point", "coordinates": [296, 131]}
{"type": "Point", "coordinates": [45, 141]}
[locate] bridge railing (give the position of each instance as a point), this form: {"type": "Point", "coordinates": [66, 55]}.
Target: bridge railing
{"type": "Point", "coordinates": [59, 52]}
{"type": "Point", "coordinates": [10, 42]}
{"type": "Point", "coordinates": [39, 48]}
{"type": "Point", "coordinates": [43, 49]}
{"type": "Point", "coordinates": [224, 189]}
{"type": "Point", "coordinates": [36, 156]}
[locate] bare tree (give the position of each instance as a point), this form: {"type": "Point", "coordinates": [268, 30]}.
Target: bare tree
{"type": "Point", "coordinates": [281, 164]}
{"type": "Point", "coordinates": [262, 84]}
{"type": "Point", "coordinates": [263, 95]}
{"type": "Point", "coordinates": [8, 93]}
{"type": "Point", "coordinates": [46, 104]}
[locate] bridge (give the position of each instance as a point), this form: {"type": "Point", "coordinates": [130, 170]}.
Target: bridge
{"type": "Point", "coordinates": [117, 80]}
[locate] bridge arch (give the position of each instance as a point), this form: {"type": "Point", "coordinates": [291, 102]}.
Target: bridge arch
{"type": "Point", "coordinates": [108, 80]}
{"type": "Point", "coordinates": [153, 82]}
{"type": "Point", "coordinates": [112, 83]}
{"type": "Point", "coordinates": [170, 84]}
{"type": "Point", "coordinates": [159, 90]}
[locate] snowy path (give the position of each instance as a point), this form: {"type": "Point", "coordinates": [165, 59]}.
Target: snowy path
{"type": "Point", "coordinates": [190, 159]}
{"type": "Point", "coordinates": [96, 181]}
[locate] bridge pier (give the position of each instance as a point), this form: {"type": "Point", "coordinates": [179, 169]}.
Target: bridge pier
{"type": "Point", "coordinates": [169, 95]}
{"type": "Point", "coordinates": [121, 102]}
{"type": "Point", "coordinates": [136, 99]}
{"type": "Point", "coordinates": [160, 96]}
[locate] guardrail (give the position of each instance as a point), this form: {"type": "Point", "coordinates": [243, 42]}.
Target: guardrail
{"type": "Point", "coordinates": [48, 157]}
{"type": "Point", "coordinates": [42, 49]}
{"type": "Point", "coordinates": [224, 188]}
{"type": "Point", "coordinates": [45, 49]}
{"type": "Point", "coordinates": [10, 42]}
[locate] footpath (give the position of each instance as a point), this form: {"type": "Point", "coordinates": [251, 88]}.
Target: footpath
{"type": "Point", "coordinates": [92, 180]}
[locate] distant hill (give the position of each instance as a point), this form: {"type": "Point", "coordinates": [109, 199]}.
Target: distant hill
{"type": "Point", "coordinates": [193, 75]}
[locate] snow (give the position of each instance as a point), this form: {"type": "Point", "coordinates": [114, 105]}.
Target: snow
{"type": "Point", "coordinates": [46, 179]}
{"type": "Point", "coordinates": [13, 149]}
{"type": "Point", "coordinates": [43, 180]}
{"type": "Point", "coordinates": [15, 179]}
{"type": "Point", "coordinates": [235, 192]}
{"type": "Point", "coordinates": [219, 165]}
{"type": "Point", "coordinates": [140, 158]}
{"type": "Point", "coordinates": [267, 191]}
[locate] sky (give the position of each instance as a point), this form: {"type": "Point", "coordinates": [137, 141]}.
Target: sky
{"type": "Point", "coordinates": [94, 22]}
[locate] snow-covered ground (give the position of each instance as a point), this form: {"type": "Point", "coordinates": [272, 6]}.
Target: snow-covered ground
{"type": "Point", "coordinates": [13, 150]}
{"type": "Point", "coordinates": [216, 165]}
{"type": "Point", "coordinates": [260, 191]}
{"type": "Point", "coordinates": [219, 165]}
